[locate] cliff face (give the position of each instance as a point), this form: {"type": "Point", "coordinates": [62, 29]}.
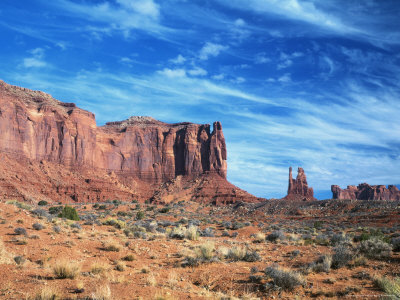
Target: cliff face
{"type": "Point", "coordinates": [298, 188]}
{"type": "Point", "coordinates": [365, 191]}
{"type": "Point", "coordinates": [71, 159]}
{"type": "Point", "coordinates": [36, 126]}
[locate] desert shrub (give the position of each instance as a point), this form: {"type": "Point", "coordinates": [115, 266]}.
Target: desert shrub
{"type": "Point", "coordinates": [151, 226]}
{"type": "Point", "coordinates": [139, 215]}
{"type": "Point", "coordinates": [390, 287]}
{"type": "Point", "coordinates": [192, 233]}
{"type": "Point", "coordinates": [42, 203]}
{"type": "Point", "coordinates": [20, 231]}
{"type": "Point", "coordinates": [205, 251]}
{"type": "Point", "coordinates": [181, 233]}
{"type": "Point", "coordinates": [129, 257]}
{"type": "Point", "coordinates": [208, 232]}
{"type": "Point", "coordinates": [103, 292]}
{"type": "Point", "coordinates": [276, 235]}
{"type": "Point", "coordinates": [396, 244]}
{"type": "Point", "coordinates": [76, 226]}
{"type": "Point", "coordinates": [259, 237]}
{"type": "Point", "coordinates": [37, 226]}
{"type": "Point", "coordinates": [375, 248]}
{"type": "Point", "coordinates": [225, 233]}
{"type": "Point", "coordinates": [19, 260]}
{"type": "Point", "coordinates": [286, 279]}
{"type": "Point", "coordinates": [120, 266]}
{"type": "Point", "coordinates": [98, 268]}
{"type": "Point", "coordinates": [340, 238]}
{"type": "Point", "coordinates": [237, 225]}
{"type": "Point", "coordinates": [164, 210]}
{"type": "Point", "coordinates": [69, 213]}
{"type": "Point", "coordinates": [65, 269]}
{"type": "Point", "coordinates": [342, 256]}
{"type": "Point", "coordinates": [322, 239]}
{"type": "Point", "coordinates": [318, 224]}
{"type": "Point", "coordinates": [47, 293]}
{"type": "Point", "coordinates": [112, 247]}
{"type": "Point", "coordinates": [234, 234]}
{"type": "Point", "coordinates": [116, 223]}
{"type": "Point", "coordinates": [55, 210]}
{"type": "Point", "coordinates": [57, 229]}
{"type": "Point", "coordinates": [322, 264]}
{"type": "Point", "coordinates": [21, 205]}
{"type": "Point", "coordinates": [41, 213]}
{"type": "Point", "coordinates": [243, 254]}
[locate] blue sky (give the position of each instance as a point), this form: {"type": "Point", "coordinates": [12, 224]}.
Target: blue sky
{"type": "Point", "coordinates": [294, 83]}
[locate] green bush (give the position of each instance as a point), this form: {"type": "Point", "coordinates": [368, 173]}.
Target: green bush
{"type": "Point", "coordinates": [55, 210]}
{"type": "Point", "coordinates": [139, 215]}
{"type": "Point", "coordinates": [70, 213]}
{"type": "Point", "coordinates": [42, 203]}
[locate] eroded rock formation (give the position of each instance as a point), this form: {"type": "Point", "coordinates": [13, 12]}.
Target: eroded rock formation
{"type": "Point", "coordinates": [134, 156]}
{"type": "Point", "coordinates": [298, 189]}
{"type": "Point", "coordinates": [364, 191]}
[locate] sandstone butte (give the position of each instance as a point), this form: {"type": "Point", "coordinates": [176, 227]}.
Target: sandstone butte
{"type": "Point", "coordinates": [54, 151]}
{"type": "Point", "coordinates": [364, 191]}
{"type": "Point", "coordinates": [298, 189]}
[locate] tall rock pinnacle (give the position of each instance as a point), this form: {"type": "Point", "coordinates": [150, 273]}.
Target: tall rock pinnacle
{"type": "Point", "coordinates": [298, 188]}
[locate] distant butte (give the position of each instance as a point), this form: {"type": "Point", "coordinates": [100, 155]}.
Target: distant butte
{"type": "Point", "coordinates": [364, 191]}
{"type": "Point", "coordinates": [55, 151]}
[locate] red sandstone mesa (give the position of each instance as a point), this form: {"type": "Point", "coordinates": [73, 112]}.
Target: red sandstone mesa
{"type": "Point", "coordinates": [365, 191]}
{"type": "Point", "coordinates": [298, 188]}
{"type": "Point", "coordinates": [129, 159]}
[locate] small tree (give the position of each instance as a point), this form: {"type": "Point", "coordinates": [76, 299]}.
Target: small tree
{"type": "Point", "coordinates": [70, 213]}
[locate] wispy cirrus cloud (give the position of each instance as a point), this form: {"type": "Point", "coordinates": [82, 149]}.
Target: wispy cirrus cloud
{"type": "Point", "coordinates": [36, 59]}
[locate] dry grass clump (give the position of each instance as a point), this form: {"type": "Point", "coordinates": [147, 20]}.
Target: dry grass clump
{"type": "Point", "coordinates": [259, 237]}
{"type": "Point", "coordinates": [63, 269]}
{"type": "Point", "coordinates": [286, 279]}
{"type": "Point", "coordinates": [120, 266]}
{"type": "Point", "coordinates": [181, 232]}
{"type": "Point", "coordinates": [47, 293]}
{"type": "Point", "coordinates": [322, 264]}
{"type": "Point", "coordinates": [242, 253]}
{"type": "Point", "coordinates": [5, 257]}
{"type": "Point", "coordinates": [98, 268]}
{"type": "Point", "coordinates": [172, 279]}
{"type": "Point", "coordinates": [102, 293]}
{"type": "Point", "coordinates": [112, 247]}
{"type": "Point", "coordinates": [205, 251]}
{"type": "Point", "coordinates": [390, 287]}
{"type": "Point", "coordinates": [151, 280]}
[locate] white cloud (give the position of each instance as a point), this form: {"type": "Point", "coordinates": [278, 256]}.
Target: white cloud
{"type": "Point", "coordinates": [36, 60]}
{"type": "Point", "coordinates": [178, 60]}
{"type": "Point", "coordinates": [122, 16]}
{"type": "Point", "coordinates": [238, 80]}
{"type": "Point", "coordinates": [261, 58]}
{"type": "Point", "coordinates": [219, 76]}
{"type": "Point", "coordinates": [172, 73]}
{"type": "Point", "coordinates": [285, 78]}
{"type": "Point", "coordinates": [143, 7]}
{"type": "Point", "coordinates": [240, 22]}
{"type": "Point", "coordinates": [197, 72]}
{"type": "Point", "coordinates": [305, 11]}
{"type": "Point", "coordinates": [211, 49]}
